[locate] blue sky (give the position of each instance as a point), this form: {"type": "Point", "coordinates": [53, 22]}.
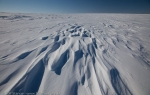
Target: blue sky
{"type": "Point", "coordinates": [75, 6]}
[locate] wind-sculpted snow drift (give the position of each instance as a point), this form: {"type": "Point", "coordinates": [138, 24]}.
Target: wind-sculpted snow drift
{"type": "Point", "coordinates": [80, 54]}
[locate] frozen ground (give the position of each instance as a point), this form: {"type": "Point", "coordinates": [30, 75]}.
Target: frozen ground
{"type": "Point", "coordinates": [75, 54]}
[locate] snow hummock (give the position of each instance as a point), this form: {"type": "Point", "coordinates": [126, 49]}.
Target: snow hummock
{"type": "Point", "coordinates": [75, 54]}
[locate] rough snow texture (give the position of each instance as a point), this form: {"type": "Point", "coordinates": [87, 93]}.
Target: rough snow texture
{"type": "Point", "coordinates": [75, 54]}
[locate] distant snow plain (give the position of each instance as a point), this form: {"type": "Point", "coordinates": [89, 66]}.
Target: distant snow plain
{"type": "Point", "coordinates": [75, 54]}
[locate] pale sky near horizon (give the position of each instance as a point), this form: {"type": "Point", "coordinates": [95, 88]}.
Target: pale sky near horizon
{"type": "Point", "coordinates": [75, 6]}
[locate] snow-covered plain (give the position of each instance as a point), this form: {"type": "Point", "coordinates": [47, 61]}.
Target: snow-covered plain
{"type": "Point", "coordinates": [75, 54]}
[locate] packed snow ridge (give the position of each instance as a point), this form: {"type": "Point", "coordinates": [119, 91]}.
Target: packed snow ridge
{"type": "Point", "coordinates": [75, 54]}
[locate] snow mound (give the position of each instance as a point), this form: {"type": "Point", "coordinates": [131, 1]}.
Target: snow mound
{"type": "Point", "coordinates": [82, 54]}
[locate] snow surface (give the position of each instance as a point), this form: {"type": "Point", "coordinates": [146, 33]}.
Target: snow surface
{"type": "Point", "coordinates": [75, 54]}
